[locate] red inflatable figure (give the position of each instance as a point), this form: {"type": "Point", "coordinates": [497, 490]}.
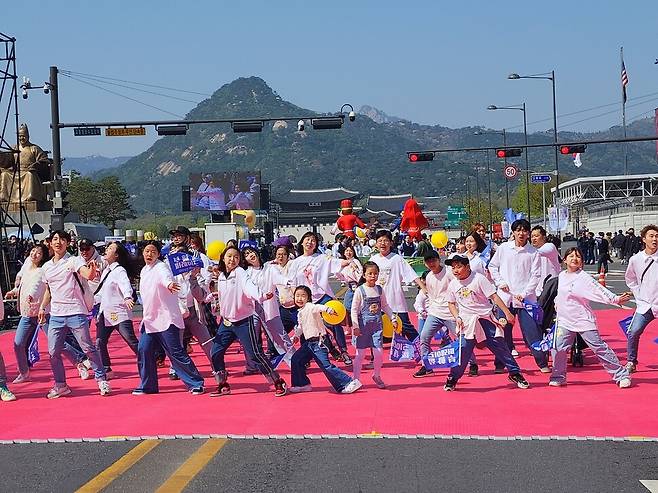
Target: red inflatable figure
{"type": "Point", "coordinates": [413, 220]}
{"type": "Point", "coordinates": [347, 220]}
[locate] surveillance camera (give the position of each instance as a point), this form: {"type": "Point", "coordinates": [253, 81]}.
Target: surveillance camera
{"type": "Point", "coordinates": [24, 93]}
{"type": "Point", "coordinates": [352, 116]}
{"type": "Point", "coordinates": [46, 88]}
{"type": "Point", "coordinates": [300, 125]}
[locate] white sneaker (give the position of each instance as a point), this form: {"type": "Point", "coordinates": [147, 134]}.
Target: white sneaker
{"type": "Point", "coordinates": [58, 391]}
{"type": "Point", "coordinates": [351, 387]}
{"type": "Point", "coordinates": [515, 353]}
{"type": "Point", "coordinates": [83, 371]}
{"type": "Point", "coordinates": [87, 364]}
{"type": "Point", "coordinates": [22, 378]}
{"type": "Point", "coordinates": [555, 383]}
{"type": "Point", "coordinates": [303, 388]}
{"type": "Point", "coordinates": [6, 395]}
{"type": "Point", "coordinates": [378, 381]}
{"type": "Point", "coordinates": [104, 387]}
{"type": "Point", "coordinates": [624, 383]}
{"type": "Point", "coordinates": [631, 367]}
{"type": "Point", "coordinates": [545, 369]}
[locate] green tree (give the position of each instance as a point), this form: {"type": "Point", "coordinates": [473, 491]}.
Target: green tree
{"type": "Point", "coordinates": [82, 197]}
{"type": "Point", "coordinates": [113, 202]}
{"type": "Point", "coordinates": [519, 201]}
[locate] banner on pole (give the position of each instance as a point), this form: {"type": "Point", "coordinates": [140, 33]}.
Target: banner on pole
{"type": "Point", "coordinates": [181, 262]}
{"type": "Point", "coordinates": [446, 357]}
{"type": "Point", "coordinates": [404, 350]}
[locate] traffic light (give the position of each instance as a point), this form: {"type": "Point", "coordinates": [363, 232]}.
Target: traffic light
{"type": "Point", "coordinates": [573, 149]}
{"type": "Point", "coordinates": [503, 153]}
{"type": "Point", "coordinates": [420, 156]}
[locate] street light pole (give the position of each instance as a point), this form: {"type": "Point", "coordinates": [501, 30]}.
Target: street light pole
{"type": "Point", "coordinates": [486, 153]}
{"type": "Point", "coordinates": [549, 76]}
{"type": "Point", "coordinates": [525, 135]}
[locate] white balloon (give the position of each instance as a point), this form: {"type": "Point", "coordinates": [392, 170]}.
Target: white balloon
{"type": "Point", "coordinates": [372, 243]}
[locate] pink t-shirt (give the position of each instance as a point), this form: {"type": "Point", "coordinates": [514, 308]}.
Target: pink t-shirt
{"type": "Point", "coordinates": [66, 297]}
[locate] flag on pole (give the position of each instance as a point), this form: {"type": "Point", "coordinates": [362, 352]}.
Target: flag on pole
{"type": "Point", "coordinates": [624, 78]}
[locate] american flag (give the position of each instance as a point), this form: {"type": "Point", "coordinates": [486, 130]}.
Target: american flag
{"type": "Point", "coordinates": [624, 80]}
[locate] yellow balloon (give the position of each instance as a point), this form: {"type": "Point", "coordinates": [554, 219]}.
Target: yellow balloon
{"type": "Point", "coordinates": [339, 316]}
{"type": "Point", "coordinates": [250, 218]}
{"type": "Point", "coordinates": [387, 326]}
{"type": "Point", "coordinates": [439, 239]}
{"type": "Point", "coordinates": [215, 249]}
{"type": "Point", "coordinates": [360, 233]}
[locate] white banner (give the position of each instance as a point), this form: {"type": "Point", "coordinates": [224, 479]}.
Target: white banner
{"type": "Point", "coordinates": [558, 225]}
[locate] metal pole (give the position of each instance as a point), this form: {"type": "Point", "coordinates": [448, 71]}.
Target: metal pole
{"type": "Point", "coordinates": [543, 201]}
{"type": "Point", "coordinates": [57, 156]}
{"type": "Point", "coordinates": [489, 191]}
{"type": "Point", "coordinates": [477, 188]}
{"type": "Point", "coordinates": [527, 165]}
{"type": "Point", "coordinates": [557, 168]}
{"type": "Point", "coordinates": [506, 180]}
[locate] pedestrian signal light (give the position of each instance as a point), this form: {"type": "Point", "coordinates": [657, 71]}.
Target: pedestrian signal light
{"type": "Point", "coordinates": [503, 153]}
{"type": "Point", "coordinates": [573, 149]}
{"type": "Point", "coordinates": [420, 156]}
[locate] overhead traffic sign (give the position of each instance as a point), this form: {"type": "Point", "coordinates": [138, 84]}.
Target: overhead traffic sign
{"type": "Point", "coordinates": [537, 178]}
{"type": "Point", "coordinates": [125, 131]}
{"type": "Point", "coordinates": [86, 131]}
{"type": "Point", "coordinates": [510, 171]}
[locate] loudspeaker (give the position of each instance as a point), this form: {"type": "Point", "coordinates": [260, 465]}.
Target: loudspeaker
{"type": "Point", "coordinates": [186, 198]}
{"type": "Point", "coordinates": [268, 229]}
{"type": "Point", "coordinates": [265, 197]}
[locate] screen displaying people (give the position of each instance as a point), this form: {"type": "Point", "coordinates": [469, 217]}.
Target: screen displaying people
{"type": "Point", "coordinates": [225, 191]}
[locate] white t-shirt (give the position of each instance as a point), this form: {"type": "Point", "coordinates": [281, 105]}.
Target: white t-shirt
{"type": "Point", "coordinates": [472, 295]}
{"type": "Point", "coordinates": [160, 306]}
{"type": "Point", "coordinates": [549, 260]}
{"type": "Point", "coordinates": [437, 289]}
{"type": "Point", "coordinates": [66, 297]}
{"type": "Point", "coordinates": [393, 272]}
{"type": "Point", "coordinates": [314, 271]}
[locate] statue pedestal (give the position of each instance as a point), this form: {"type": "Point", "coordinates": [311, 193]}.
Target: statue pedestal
{"type": "Point", "coordinates": [30, 206]}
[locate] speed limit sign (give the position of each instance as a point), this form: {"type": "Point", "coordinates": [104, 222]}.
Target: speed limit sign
{"type": "Point", "coordinates": [510, 172]}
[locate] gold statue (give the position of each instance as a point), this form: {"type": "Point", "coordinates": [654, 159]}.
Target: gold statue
{"type": "Point", "coordinates": [32, 162]}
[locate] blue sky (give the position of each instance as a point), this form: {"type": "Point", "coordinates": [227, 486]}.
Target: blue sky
{"type": "Point", "coordinates": [431, 62]}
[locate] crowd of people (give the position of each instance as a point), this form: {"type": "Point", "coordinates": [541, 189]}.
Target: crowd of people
{"type": "Point", "coordinates": [279, 305]}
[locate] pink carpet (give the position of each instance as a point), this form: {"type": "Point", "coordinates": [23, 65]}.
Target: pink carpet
{"type": "Point", "coordinates": [591, 405]}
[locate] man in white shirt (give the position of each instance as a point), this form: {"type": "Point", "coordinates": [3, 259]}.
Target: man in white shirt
{"type": "Point", "coordinates": [393, 272]}
{"type": "Point", "coordinates": [66, 278]}
{"type": "Point", "coordinates": [516, 271]}
{"type": "Point", "coordinates": [642, 279]}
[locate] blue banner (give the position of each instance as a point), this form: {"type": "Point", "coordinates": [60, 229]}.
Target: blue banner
{"type": "Point", "coordinates": [181, 262]}
{"type": "Point", "coordinates": [33, 349]}
{"type": "Point", "coordinates": [247, 243]}
{"type": "Point", "coordinates": [625, 325]}
{"type": "Point", "coordinates": [404, 350]}
{"type": "Point", "coordinates": [446, 357]}
{"type": "Point", "coordinates": [534, 310]}
{"type": "Point", "coordinates": [546, 343]}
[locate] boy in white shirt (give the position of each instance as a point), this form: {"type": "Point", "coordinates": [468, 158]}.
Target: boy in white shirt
{"type": "Point", "coordinates": [393, 272]}
{"type": "Point", "coordinates": [468, 300]}
{"type": "Point", "coordinates": [642, 279]}
{"type": "Point", "coordinates": [516, 271]}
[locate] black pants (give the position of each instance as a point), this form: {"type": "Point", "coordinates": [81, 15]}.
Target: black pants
{"type": "Point", "coordinates": [103, 333]}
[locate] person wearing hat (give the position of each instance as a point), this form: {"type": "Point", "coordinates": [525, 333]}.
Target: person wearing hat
{"type": "Point", "coordinates": [347, 220]}
{"type": "Point", "coordinates": [469, 297]}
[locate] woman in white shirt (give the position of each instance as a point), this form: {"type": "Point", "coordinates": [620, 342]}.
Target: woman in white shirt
{"type": "Point", "coordinates": [350, 275]}
{"type": "Point", "coordinates": [237, 295]}
{"type": "Point", "coordinates": [576, 288]}
{"type": "Point", "coordinates": [313, 269]}
{"type": "Point", "coordinates": [287, 307]}
{"type": "Point", "coordinates": [115, 311]}
{"type": "Point", "coordinates": [162, 322]}
{"type": "Point", "coordinates": [549, 257]}
{"type": "Point", "coordinates": [475, 245]}
{"type": "Point", "coordinates": [28, 306]}
{"type": "Point", "coordinates": [267, 278]}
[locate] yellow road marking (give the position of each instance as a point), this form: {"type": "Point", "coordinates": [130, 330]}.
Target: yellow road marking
{"type": "Point", "coordinates": [103, 479]}
{"type": "Point", "coordinates": [192, 466]}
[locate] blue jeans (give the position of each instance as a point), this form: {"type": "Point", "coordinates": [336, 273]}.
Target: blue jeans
{"type": "Point", "coordinates": [495, 344]}
{"type": "Point", "coordinates": [336, 330]}
{"type": "Point", "coordinates": [103, 333]}
{"type": "Point", "coordinates": [430, 327]}
{"type": "Point", "coordinates": [318, 352]}
{"type": "Point", "coordinates": [248, 334]}
{"type": "Point", "coordinates": [288, 317]}
{"type": "Point", "coordinates": [181, 362]}
{"type": "Point", "coordinates": [24, 333]}
{"type": "Point", "coordinates": [58, 329]}
{"type": "Point", "coordinates": [639, 323]}
{"type": "Point", "coordinates": [531, 334]}
{"type": "Point", "coordinates": [408, 329]}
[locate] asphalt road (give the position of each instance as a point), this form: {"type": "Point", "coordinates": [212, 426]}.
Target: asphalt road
{"type": "Point", "coordinates": [363, 465]}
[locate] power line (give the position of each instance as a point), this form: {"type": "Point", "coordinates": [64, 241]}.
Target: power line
{"type": "Point", "coordinates": [70, 72]}
{"type": "Point", "coordinates": [133, 88]}
{"type": "Point", "coordinates": [122, 95]}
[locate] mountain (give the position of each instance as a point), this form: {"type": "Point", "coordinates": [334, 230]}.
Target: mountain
{"type": "Point", "coordinates": [378, 116]}
{"type": "Point", "coordinates": [364, 155]}
{"type": "Point", "coordinates": [91, 164]}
